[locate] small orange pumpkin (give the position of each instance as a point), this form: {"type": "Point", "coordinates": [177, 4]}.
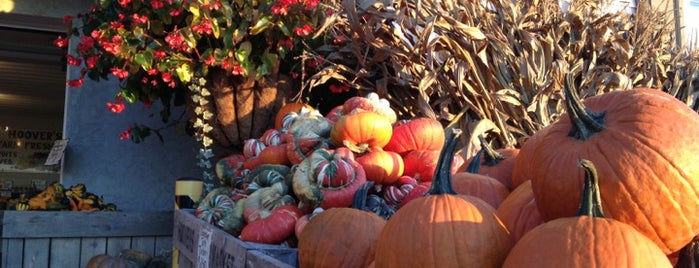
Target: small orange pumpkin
{"type": "Point", "coordinates": [422, 133]}
{"type": "Point", "coordinates": [381, 167]}
{"type": "Point", "coordinates": [361, 130]}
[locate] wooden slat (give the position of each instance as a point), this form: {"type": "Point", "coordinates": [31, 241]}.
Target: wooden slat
{"type": "Point", "coordinates": [144, 243]}
{"type": "Point", "coordinates": [117, 244]}
{"type": "Point", "coordinates": [35, 224]}
{"type": "Point", "coordinates": [90, 247]}
{"type": "Point", "coordinates": [163, 245]}
{"type": "Point", "coordinates": [65, 252]}
{"type": "Point", "coordinates": [12, 251]}
{"type": "Point", "coordinates": [36, 252]}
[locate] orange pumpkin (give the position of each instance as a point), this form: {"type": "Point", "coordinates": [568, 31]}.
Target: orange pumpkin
{"type": "Point", "coordinates": [287, 108]}
{"type": "Point", "coordinates": [489, 189]}
{"type": "Point", "coordinates": [518, 211]}
{"type": "Point", "coordinates": [443, 229]}
{"type": "Point", "coordinates": [586, 239]}
{"type": "Point", "coordinates": [644, 142]}
{"type": "Point", "coordinates": [361, 130]}
{"type": "Point", "coordinates": [422, 133]}
{"type": "Point", "coordinates": [326, 242]}
{"type": "Point", "coordinates": [381, 167]}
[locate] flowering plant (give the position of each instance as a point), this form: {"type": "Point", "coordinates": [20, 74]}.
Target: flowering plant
{"type": "Point", "coordinates": [156, 48]}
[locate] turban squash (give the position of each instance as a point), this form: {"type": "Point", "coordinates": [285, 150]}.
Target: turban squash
{"type": "Point", "coordinates": [644, 143]}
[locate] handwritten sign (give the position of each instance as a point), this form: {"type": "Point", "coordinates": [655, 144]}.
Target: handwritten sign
{"type": "Point", "coordinates": [56, 154]}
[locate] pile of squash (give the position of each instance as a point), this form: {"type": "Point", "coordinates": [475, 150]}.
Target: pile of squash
{"type": "Point", "coordinates": [613, 182]}
{"type": "Point", "coordinates": [56, 197]}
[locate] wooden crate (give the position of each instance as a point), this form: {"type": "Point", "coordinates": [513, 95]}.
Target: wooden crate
{"type": "Point", "coordinates": [69, 239]}
{"type": "Point", "coordinates": [201, 244]}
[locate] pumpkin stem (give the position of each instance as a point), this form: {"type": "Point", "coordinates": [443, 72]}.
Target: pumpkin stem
{"type": "Point", "coordinates": [441, 182]}
{"type": "Point", "coordinates": [585, 122]}
{"type": "Point", "coordinates": [689, 255]}
{"type": "Point", "coordinates": [492, 157]}
{"type": "Point", "coordinates": [475, 163]}
{"type": "Point", "coordinates": [591, 203]}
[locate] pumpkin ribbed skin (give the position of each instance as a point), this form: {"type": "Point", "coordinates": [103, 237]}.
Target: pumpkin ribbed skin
{"type": "Point", "coordinates": [585, 242]}
{"type": "Point", "coordinates": [339, 237]}
{"type": "Point", "coordinates": [489, 189]}
{"type": "Point", "coordinates": [422, 133]}
{"type": "Point", "coordinates": [519, 212]}
{"type": "Point", "coordinates": [361, 130]}
{"type": "Point", "coordinates": [646, 156]}
{"type": "Point", "coordinates": [443, 229]}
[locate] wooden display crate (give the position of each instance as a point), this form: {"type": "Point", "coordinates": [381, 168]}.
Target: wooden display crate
{"type": "Point", "coordinates": [70, 238]}
{"type": "Point", "coordinates": [201, 244]}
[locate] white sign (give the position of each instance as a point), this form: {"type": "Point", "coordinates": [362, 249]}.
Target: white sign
{"type": "Point", "coordinates": [56, 154]}
{"type": "Point", "coordinates": [204, 247]}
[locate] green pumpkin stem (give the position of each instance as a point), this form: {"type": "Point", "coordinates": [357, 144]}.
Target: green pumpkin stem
{"type": "Point", "coordinates": [591, 202]}
{"type": "Point", "coordinates": [492, 157]}
{"type": "Point", "coordinates": [475, 163]}
{"type": "Point", "coordinates": [441, 182]}
{"type": "Point", "coordinates": [585, 122]}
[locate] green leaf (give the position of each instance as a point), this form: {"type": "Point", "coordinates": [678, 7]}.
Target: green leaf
{"type": "Point", "coordinates": [262, 24]}
{"type": "Point", "coordinates": [243, 51]}
{"type": "Point", "coordinates": [144, 59]}
{"type": "Point", "coordinates": [184, 72]}
{"type": "Point", "coordinates": [129, 95]}
{"type": "Point", "coordinates": [156, 27]}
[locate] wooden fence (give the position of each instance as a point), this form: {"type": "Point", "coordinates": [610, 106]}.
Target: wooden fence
{"type": "Point", "coordinates": [36, 239]}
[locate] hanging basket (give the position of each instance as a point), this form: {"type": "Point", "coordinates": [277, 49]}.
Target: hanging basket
{"type": "Point", "coordinates": [244, 108]}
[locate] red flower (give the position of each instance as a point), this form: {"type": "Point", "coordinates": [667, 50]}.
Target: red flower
{"type": "Point", "coordinates": [304, 30]}
{"type": "Point", "coordinates": [339, 88]}
{"type": "Point", "coordinates": [210, 60]}
{"type": "Point", "coordinates": [175, 12]}
{"type": "Point", "coordinates": [167, 77]}
{"type": "Point", "coordinates": [91, 61]}
{"type": "Point", "coordinates": [120, 73]}
{"type": "Point", "coordinates": [85, 44]}
{"type": "Point", "coordinates": [67, 19]}
{"type": "Point", "coordinates": [176, 41]}
{"type": "Point", "coordinates": [159, 54]}
{"type": "Point", "coordinates": [238, 70]}
{"type": "Point", "coordinates": [73, 61]}
{"type": "Point", "coordinates": [76, 82]}
{"type": "Point", "coordinates": [157, 4]}
{"type": "Point", "coordinates": [124, 3]}
{"type": "Point", "coordinates": [117, 107]}
{"type": "Point", "coordinates": [61, 41]}
{"type": "Point", "coordinates": [287, 43]}
{"type": "Point", "coordinates": [140, 19]}
{"type": "Point", "coordinates": [126, 134]}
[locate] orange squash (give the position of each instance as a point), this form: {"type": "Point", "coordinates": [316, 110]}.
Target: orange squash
{"type": "Point", "coordinates": [381, 167]}
{"type": "Point", "coordinates": [361, 130]}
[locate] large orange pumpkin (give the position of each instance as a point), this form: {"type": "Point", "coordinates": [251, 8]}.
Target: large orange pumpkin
{"type": "Point", "coordinates": [587, 240]}
{"type": "Point", "coordinates": [518, 211]}
{"type": "Point", "coordinates": [339, 237]}
{"type": "Point", "coordinates": [644, 143]}
{"type": "Point", "coordinates": [443, 229]}
{"type": "Point", "coordinates": [489, 189]}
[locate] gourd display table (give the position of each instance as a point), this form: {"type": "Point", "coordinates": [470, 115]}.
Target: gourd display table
{"type": "Point", "coordinates": [201, 244]}
{"type": "Point", "coordinates": [70, 238]}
